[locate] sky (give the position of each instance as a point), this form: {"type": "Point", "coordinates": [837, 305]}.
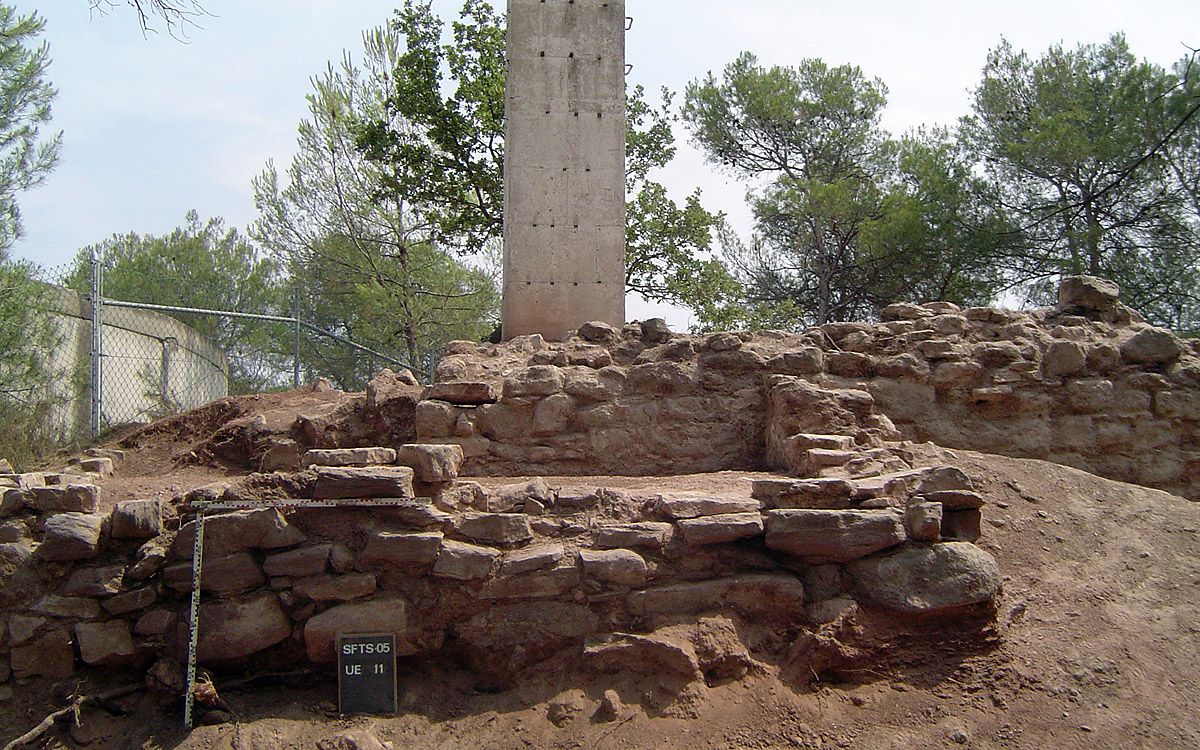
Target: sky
{"type": "Point", "coordinates": [153, 126]}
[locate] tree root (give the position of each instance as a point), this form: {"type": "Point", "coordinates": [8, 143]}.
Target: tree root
{"type": "Point", "coordinates": [72, 709]}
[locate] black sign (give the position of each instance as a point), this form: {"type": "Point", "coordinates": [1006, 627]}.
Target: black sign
{"type": "Point", "coordinates": [367, 674]}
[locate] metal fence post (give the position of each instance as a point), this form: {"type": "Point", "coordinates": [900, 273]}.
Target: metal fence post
{"type": "Point", "coordinates": [97, 353]}
{"type": "Point", "coordinates": [296, 336]}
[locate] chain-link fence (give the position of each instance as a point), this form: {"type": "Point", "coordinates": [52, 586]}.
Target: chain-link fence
{"type": "Point", "coordinates": [104, 360]}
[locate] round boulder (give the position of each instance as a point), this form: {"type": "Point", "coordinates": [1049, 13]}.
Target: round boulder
{"type": "Point", "coordinates": [928, 580]}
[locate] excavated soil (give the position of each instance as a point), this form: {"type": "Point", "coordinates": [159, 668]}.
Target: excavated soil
{"type": "Point", "coordinates": [1096, 644]}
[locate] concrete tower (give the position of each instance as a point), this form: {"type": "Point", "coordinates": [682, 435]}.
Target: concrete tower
{"type": "Point", "coordinates": [564, 166]}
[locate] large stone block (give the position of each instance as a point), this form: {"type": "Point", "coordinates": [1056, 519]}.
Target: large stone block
{"type": "Point", "coordinates": [934, 579]}
{"type": "Point", "coordinates": [823, 536]}
{"type": "Point", "coordinates": [379, 616]}
{"type": "Point", "coordinates": [71, 498]}
{"type": "Point", "coordinates": [498, 528]}
{"type": "Point", "coordinates": [620, 566]}
{"type": "Point", "coordinates": [432, 463]}
{"type": "Point", "coordinates": [232, 630]}
{"type": "Point", "coordinates": [227, 533]}
{"type": "Point", "coordinates": [71, 536]}
{"type": "Point", "coordinates": [137, 519]}
{"type": "Point", "coordinates": [335, 483]}
{"type": "Point", "coordinates": [1151, 346]}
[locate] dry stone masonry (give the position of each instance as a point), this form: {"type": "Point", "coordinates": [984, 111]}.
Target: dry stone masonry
{"type": "Point", "coordinates": [502, 578]}
{"type": "Point", "coordinates": [1085, 384]}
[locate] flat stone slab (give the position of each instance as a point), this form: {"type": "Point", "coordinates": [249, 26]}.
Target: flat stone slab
{"type": "Point", "coordinates": [331, 588]}
{"type": "Point", "coordinates": [416, 548]}
{"type": "Point", "coordinates": [337, 483]}
{"type": "Point", "coordinates": [720, 529]}
{"type": "Point", "coordinates": [644, 534]}
{"type": "Point", "coordinates": [349, 457]}
{"type": "Point", "coordinates": [71, 536]}
{"type": "Point", "coordinates": [694, 506]}
{"type": "Point", "coordinates": [527, 560]}
{"type": "Point", "coordinates": [751, 595]}
{"type": "Point", "coordinates": [299, 563]}
{"type": "Point", "coordinates": [105, 643]}
{"type": "Point", "coordinates": [463, 393]}
{"type": "Point", "coordinates": [465, 562]}
{"type": "Point", "coordinates": [833, 536]}
{"type": "Point", "coordinates": [804, 494]}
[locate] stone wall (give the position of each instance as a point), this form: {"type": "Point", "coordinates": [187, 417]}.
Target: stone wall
{"type": "Point", "coordinates": [501, 578]}
{"type": "Point", "coordinates": [1085, 384]}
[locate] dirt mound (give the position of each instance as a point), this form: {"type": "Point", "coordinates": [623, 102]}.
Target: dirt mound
{"type": "Point", "coordinates": [271, 431]}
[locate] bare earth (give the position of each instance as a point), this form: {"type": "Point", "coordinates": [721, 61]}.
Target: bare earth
{"type": "Point", "coordinates": [1096, 645]}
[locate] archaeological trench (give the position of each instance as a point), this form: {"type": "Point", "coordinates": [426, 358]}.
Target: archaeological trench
{"type": "Point", "coordinates": [833, 531]}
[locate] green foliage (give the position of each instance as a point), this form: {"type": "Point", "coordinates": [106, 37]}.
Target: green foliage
{"type": "Point", "coordinates": [27, 336]}
{"type": "Point", "coordinates": [443, 147]}
{"type": "Point", "coordinates": [443, 142]}
{"type": "Point", "coordinates": [847, 220]}
{"type": "Point", "coordinates": [1083, 145]}
{"type": "Point", "coordinates": [201, 265]}
{"type": "Point", "coordinates": [362, 235]}
{"type": "Point", "coordinates": [25, 97]}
